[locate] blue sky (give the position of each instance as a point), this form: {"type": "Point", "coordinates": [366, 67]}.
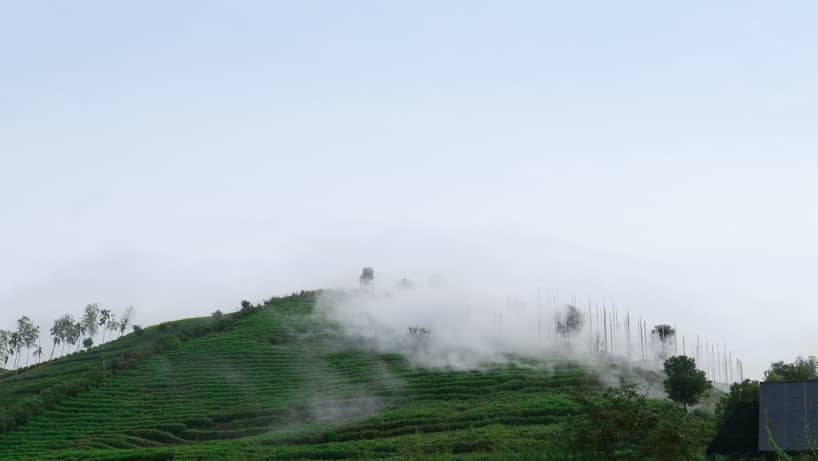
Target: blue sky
{"type": "Point", "coordinates": [183, 155]}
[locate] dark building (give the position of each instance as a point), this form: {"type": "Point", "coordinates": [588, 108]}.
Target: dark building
{"type": "Point", "coordinates": [788, 416]}
{"type": "Point", "coordinates": [738, 436]}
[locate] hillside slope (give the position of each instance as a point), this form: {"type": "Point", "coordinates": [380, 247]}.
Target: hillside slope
{"type": "Point", "coordinates": [277, 383]}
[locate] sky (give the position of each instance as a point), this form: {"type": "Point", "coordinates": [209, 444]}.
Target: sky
{"type": "Point", "coordinates": [182, 156]}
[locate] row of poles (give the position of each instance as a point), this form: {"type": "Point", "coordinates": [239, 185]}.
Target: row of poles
{"type": "Point", "coordinates": [604, 326]}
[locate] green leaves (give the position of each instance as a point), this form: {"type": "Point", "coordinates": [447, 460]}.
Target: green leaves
{"type": "Point", "coordinates": [684, 384]}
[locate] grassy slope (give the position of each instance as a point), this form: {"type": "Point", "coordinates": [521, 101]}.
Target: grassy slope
{"type": "Point", "coordinates": [279, 385]}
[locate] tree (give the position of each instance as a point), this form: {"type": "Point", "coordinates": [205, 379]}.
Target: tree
{"type": "Point", "coordinates": [111, 325]}
{"type": "Point", "coordinates": [569, 322]}
{"type": "Point", "coordinates": [625, 424]}
{"type": "Point", "coordinates": [419, 333]}
{"type": "Point", "coordinates": [90, 320]}
{"type": "Point", "coordinates": [127, 316]}
{"type": "Point", "coordinates": [75, 333]}
{"type": "Point", "coordinates": [15, 346]}
{"type": "Point", "coordinates": [745, 391]}
{"type": "Point", "coordinates": [664, 334]}
{"type": "Point", "coordinates": [405, 284]}
{"type": "Point", "coordinates": [684, 383]}
{"type": "Point", "coordinates": [5, 337]}
{"type": "Point", "coordinates": [801, 369]}
{"type": "Point", "coordinates": [29, 333]}
{"type": "Point", "coordinates": [104, 318]}
{"type": "Point", "coordinates": [61, 332]}
{"type": "Point", "coordinates": [367, 276]}
{"type": "Point", "coordinates": [87, 343]}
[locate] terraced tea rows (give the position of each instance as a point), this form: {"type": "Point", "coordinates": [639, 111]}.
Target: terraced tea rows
{"type": "Point", "coordinates": [281, 384]}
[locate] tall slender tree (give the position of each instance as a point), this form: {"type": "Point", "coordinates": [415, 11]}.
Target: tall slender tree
{"type": "Point", "coordinates": [90, 319]}
{"type": "Point", "coordinates": [126, 319]}
{"type": "Point", "coordinates": [75, 333]}
{"type": "Point", "coordinates": [5, 337]}
{"type": "Point", "coordinates": [61, 331]}
{"type": "Point", "coordinates": [111, 325]}
{"type": "Point", "coordinates": [15, 346]}
{"type": "Point", "coordinates": [104, 317]}
{"type": "Point", "coordinates": [29, 335]}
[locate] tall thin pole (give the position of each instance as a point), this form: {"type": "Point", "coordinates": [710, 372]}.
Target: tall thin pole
{"type": "Point", "coordinates": [718, 361]}
{"type": "Point", "coordinates": [675, 343]}
{"type": "Point", "coordinates": [628, 333]}
{"type": "Point", "coordinates": [539, 316]}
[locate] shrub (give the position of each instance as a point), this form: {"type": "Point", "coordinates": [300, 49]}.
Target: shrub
{"type": "Point", "coordinates": [625, 424]}
{"type": "Point", "coordinates": [166, 342]}
{"type": "Point", "coordinates": [139, 331]}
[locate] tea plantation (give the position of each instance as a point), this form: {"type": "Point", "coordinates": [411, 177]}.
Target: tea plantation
{"type": "Point", "coordinates": [272, 382]}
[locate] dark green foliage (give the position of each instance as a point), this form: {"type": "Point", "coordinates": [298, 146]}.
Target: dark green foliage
{"type": "Point", "coordinates": [745, 391]}
{"type": "Point", "coordinates": [138, 330]}
{"type": "Point", "coordinates": [624, 424]}
{"type": "Point", "coordinates": [166, 342]}
{"type": "Point", "coordinates": [684, 383]}
{"type": "Point", "coordinates": [801, 369]}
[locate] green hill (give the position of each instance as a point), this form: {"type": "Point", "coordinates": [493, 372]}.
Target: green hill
{"type": "Point", "coordinates": [273, 382]}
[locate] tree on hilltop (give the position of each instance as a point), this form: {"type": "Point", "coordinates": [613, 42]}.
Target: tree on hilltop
{"type": "Point", "coordinates": [126, 319]}
{"type": "Point", "coordinates": [367, 277]}
{"type": "Point", "coordinates": [684, 383]}
{"type": "Point", "coordinates": [665, 334]}
{"type": "Point", "coordinates": [90, 320]}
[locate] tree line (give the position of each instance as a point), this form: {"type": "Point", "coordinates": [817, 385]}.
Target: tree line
{"type": "Point", "coordinates": [66, 333]}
